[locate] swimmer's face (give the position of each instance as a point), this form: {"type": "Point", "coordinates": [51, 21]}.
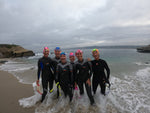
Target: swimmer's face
{"type": "Point", "coordinates": [57, 53]}
{"type": "Point", "coordinates": [72, 58]}
{"type": "Point", "coordinates": [79, 56]}
{"type": "Point", "coordinates": [96, 55]}
{"type": "Point", "coordinates": [63, 58]}
{"type": "Point", "coordinates": [46, 53]}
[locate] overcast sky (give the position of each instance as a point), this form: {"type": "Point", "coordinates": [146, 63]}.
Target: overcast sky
{"type": "Point", "coordinates": [74, 23]}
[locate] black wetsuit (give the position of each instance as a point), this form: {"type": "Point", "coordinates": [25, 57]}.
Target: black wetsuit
{"type": "Point", "coordinates": [56, 61]}
{"type": "Point", "coordinates": [73, 66]}
{"type": "Point", "coordinates": [45, 65]}
{"type": "Point", "coordinates": [83, 73]}
{"type": "Point", "coordinates": [99, 76]}
{"type": "Point", "coordinates": [64, 76]}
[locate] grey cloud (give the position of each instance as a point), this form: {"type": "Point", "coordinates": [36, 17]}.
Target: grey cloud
{"type": "Point", "coordinates": [61, 23]}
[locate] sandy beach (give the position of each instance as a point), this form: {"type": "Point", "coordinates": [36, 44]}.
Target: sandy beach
{"type": "Point", "coordinates": [10, 92]}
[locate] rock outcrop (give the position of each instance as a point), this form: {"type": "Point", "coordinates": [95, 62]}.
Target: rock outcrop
{"type": "Point", "coordinates": [8, 51]}
{"type": "Point", "coordinates": [145, 49]}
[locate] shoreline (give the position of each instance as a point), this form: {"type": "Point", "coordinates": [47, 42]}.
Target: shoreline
{"type": "Point", "coordinates": [11, 91]}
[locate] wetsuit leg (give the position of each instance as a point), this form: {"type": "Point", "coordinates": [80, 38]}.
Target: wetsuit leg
{"type": "Point", "coordinates": [51, 81]}
{"type": "Point", "coordinates": [103, 87]}
{"type": "Point", "coordinates": [44, 85]}
{"type": "Point", "coordinates": [80, 84]}
{"type": "Point", "coordinates": [69, 92]}
{"type": "Point", "coordinates": [89, 93]}
{"type": "Point", "coordinates": [64, 88]}
{"type": "Point", "coordinates": [94, 85]}
{"type": "Point", "coordinates": [58, 92]}
{"type": "Point", "coordinates": [57, 86]}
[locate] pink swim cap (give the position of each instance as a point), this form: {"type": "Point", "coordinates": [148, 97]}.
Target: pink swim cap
{"type": "Point", "coordinates": [79, 51]}
{"type": "Point", "coordinates": [71, 54]}
{"type": "Point", "coordinates": [45, 49]}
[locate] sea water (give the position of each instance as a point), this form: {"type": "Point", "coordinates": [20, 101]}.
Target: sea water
{"type": "Point", "coordinates": [129, 92]}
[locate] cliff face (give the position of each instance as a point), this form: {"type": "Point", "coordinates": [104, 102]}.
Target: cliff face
{"type": "Point", "coordinates": [7, 51]}
{"type": "Point", "coordinates": [145, 49]}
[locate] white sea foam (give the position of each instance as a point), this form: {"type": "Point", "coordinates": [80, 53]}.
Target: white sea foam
{"type": "Point", "coordinates": [30, 101]}
{"type": "Point", "coordinates": [132, 94]}
{"type": "Point", "coordinates": [142, 63]}
{"type": "Point", "coordinates": [144, 73]}
{"type": "Point", "coordinates": [14, 66]}
{"type": "Point", "coordinates": [20, 70]}
{"type": "Point", "coordinates": [37, 55]}
{"type": "Point", "coordinates": [53, 105]}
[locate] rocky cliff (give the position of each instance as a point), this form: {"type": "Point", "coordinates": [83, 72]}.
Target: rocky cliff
{"type": "Point", "coordinates": [145, 49]}
{"type": "Point", "coordinates": [8, 51]}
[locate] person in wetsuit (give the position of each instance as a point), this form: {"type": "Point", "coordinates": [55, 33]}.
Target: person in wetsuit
{"type": "Point", "coordinates": [45, 65]}
{"type": "Point", "coordinates": [56, 60]}
{"type": "Point", "coordinates": [99, 77]}
{"type": "Point", "coordinates": [72, 59]}
{"type": "Point", "coordinates": [57, 52]}
{"type": "Point", "coordinates": [83, 75]}
{"type": "Point", "coordinates": [64, 76]}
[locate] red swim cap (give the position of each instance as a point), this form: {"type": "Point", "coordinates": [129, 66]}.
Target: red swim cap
{"type": "Point", "coordinates": [79, 51]}
{"type": "Point", "coordinates": [71, 54]}
{"type": "Point", "coordinates": [45, 49]}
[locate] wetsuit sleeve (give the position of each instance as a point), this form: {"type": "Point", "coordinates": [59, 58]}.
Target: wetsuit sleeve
{"type": "Point", "coordinates": [91, 65]}
{"type": "Point", "coordinates": [76, 73]}
{"type": "Point", "coordinates": [90, 69]}
{"type": "Point", "coordinates": [39, 70]}
{"type": "Point", "coordinates": [53, 66]}
{"type": "Point", "coordinates": [107, 69]}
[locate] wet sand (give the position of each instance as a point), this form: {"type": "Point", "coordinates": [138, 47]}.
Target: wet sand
{"type": "Point", "coordinates": [10, 92]}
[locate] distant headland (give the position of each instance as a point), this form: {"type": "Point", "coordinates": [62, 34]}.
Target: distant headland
{"type": "Point", "coordinates": [145, 49]}
{"type": "Point", "coordinates": [12, 51]}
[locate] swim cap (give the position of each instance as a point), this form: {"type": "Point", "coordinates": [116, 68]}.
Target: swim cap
{"type": "Point", "coordinates": [71, 54]}
{"type": "Point", "coordinates": [45, 49]}
{"type": "Point", "coordinates": [57, 49]}
{"type": "Point", "coordinates": [79, 51]}
{"type": "Point", "coordinates": [95, 50]}
{"type": "Point", "coordinates": [62, 53]}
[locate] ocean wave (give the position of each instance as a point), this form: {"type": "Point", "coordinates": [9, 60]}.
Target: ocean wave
{"type": "Point", "coordinates": [142, 64]}
{"type": "Point", "coordinates": [24, 72]}
{"type": "Point", "coordinates": [143, 73]}
{"type": "Point", "coordinates": [14, 66]}
{"type": "Point", "coordinates": [132, 93]}
{"type": "Point", "coordinates": [37, 55]}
